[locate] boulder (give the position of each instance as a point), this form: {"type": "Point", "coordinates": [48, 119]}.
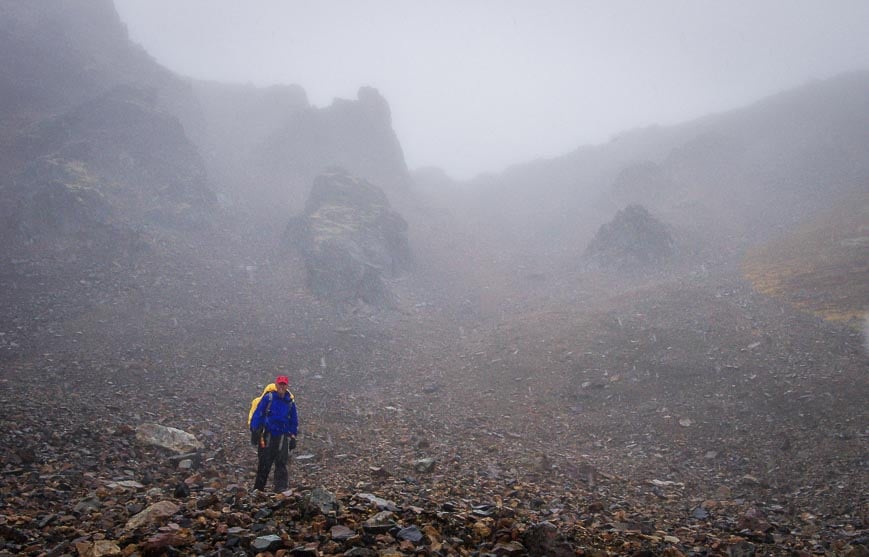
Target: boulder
{"type": "Point", "coordinates": [633, 240]}
{"type": "Point", "coordinates": [424, 465]}
{"type": "Point", "coordinates": [167, 437]}
{"type": "Point", "coordinates": [322, 501]}
{"type": "Point", "coordinates": [351, 241]}
{"type": "Point", "coordinates": [154, 514]}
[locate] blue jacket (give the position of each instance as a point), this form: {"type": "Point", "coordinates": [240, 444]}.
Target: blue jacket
{"type": "Point", "coordinates": [277, 414]}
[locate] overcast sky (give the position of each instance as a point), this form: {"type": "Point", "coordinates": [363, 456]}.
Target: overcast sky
{"type": "Point", "coordinates": [477, 85]}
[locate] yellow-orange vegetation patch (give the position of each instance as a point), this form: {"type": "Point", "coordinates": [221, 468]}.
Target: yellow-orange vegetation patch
{"type": "Point", "coordinates": [822, 267]}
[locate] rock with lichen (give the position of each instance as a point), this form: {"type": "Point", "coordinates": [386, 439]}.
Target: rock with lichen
{"type": "Point", "coordinates": [351, 240]}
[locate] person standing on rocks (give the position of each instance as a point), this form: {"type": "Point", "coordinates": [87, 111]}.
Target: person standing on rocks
{"type": "Point", "coordinates": [277, 422]}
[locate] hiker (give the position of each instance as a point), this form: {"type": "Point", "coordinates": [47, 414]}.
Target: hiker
{"type": "Point", "coordinates": [274, 425]}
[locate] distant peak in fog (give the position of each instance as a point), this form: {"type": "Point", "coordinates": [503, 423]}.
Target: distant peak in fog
{"type": "Point", "coordinates": [475, 87]}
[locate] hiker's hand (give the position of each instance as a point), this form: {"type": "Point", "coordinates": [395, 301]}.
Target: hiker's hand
{"type": "Point", "coordinates": [256, 435]}
{"type": "Point", "coordinates": [292, 443]}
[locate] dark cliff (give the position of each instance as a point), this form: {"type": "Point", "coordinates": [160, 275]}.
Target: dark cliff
{"type": "Point", "coordinates": [158, 149]}
{"type": "Point", "coordinates": [265, 146]}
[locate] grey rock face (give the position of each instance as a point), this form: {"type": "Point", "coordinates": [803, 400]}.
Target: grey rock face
{"type": "Point", "coordinates": [351, 240]}
{"type": "Point", "coordinates": [102, 176]}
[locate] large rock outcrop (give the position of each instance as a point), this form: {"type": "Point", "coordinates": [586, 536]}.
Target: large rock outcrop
{"type": "Point", "coordinates": [94, 159]}
{"type": "Point", "coordinates": [351, 240]}
{"type": "Point", "coordinates": [355, 135]}
{"type": "Point", "coordinates": [105, 172]}
{"type": "Point", "coordinates": [633, 240]}
{"type": "Point", "coordinates": [56, 55]}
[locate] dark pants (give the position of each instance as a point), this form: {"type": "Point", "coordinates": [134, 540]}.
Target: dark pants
{"type": "Point", "coordinates": [275, 452]}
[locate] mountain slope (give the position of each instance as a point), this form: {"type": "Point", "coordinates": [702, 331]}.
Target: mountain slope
{"type": "Point", "coordinates": [750, 170]}
{"type": "Point", "coordinates": [822, 266]}
{"type": "Point", "coordinates": [513, 402]}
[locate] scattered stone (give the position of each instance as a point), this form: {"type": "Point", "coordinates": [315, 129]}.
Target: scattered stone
{"type": "Point", "coordinates": [323, 501]}
{"type": "Point", "coordinates": [424, 465]}
{"type": "Point", "coordinates": [340, 533]}
{"type": "Point", "coordinates": [700, 513]}
{"type": "Point", "coordinates": [152, 514]}
{"type": "Point", "coordinates": [159, 543]}
{"type": "Point", "coordinates": [182, 491]}
{"type": "Point", "coordinates": [379, 502]}
{"type": "Point", "coordinates": [542, 539]}
{"type": "Point", "coordinates": [509, 549]}
{"type": "Point", "coordinates": [360, 552]}
{"type": "Point", "coordinates": [753, 519]}
{"type": "Point", "coordinates": [99, 548]}
{"type": "Point", "coordinates": [378, 472]}
{"type": "Point", "coordinates": [270, 542]}
{"type": "Point", "coordinates": [380, 523]}
{"type": "Point", "coordinates": [411, 534]}
{"type": "Point", "coordinates": [128, 484]}
{"type": "Point", "coordinates": [167, 437]}
{"type": "Point", "coordinates": [206, 501]}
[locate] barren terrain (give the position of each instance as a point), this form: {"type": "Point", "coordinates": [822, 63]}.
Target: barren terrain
{"type": "Point", "coordinates": [471, 378]}
{"type": "Point", "coordinates": [680, 415]}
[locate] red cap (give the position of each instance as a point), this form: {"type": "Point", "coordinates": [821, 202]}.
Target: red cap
{"type": "Point", "coordinates": [282, 379]}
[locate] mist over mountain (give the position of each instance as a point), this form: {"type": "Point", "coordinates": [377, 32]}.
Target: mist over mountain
{"type": "Point", "coordinates": [265, 146]}
{"type": "Point", "coordinates": [274, 134]}
{"type": "Point", "coordinates": [752, 170]}
{"type": "Point", "coordinates": [652, 346]}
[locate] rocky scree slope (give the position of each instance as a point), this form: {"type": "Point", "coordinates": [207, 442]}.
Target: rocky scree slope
{"type": "Point", "coordinates": [644, 426]}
